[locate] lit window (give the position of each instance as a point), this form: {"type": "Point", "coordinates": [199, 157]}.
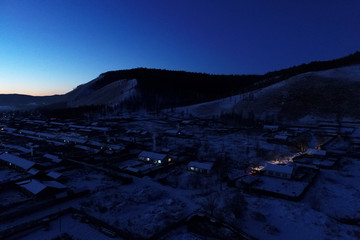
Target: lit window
{"type": "Point", "coordinates": [169, 160]}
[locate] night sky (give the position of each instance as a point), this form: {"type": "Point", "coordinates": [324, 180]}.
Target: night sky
{"type": "Point", "coordinates": [51, 46]}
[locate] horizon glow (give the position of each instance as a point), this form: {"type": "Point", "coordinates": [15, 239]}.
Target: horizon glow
{"type": "Point", "coordinates": [51, 47]}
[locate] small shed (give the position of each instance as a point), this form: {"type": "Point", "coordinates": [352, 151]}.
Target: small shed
{"type": "Point", "coordinates": [280, 171]}
{"type": "Point", "coordinates": [156, 158]}
{"type": "Point", "coordinates": [200, 167]}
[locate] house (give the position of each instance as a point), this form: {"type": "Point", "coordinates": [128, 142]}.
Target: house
{"type": "Point", "coordinates": [156, 158]}
{"type": "Point", "coordinates": [55, 175]}
{"type": "Point", "coordinates": [17, 148]}
{"type": "Point", "coordinates": [316, 152]}
{"type": "Point", "coordinates": [33, 187]}
{"type": "Point", "coordinates": [16, 162]}
{"type": "Point", "coordinates": [280, 171]}
{"type": "Point", "coordinates": [37, 188]}
{"type": "Point", "coordinates": [74, 140]}
{"type": "Point", "coordinates": [53, 158]}
{"type": "Point", "coordinates": [200, 167]}
{"type": "Point", "coordinates": [35, 172]}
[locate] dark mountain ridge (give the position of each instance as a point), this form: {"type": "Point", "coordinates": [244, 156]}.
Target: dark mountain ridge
{"type": "Point", "coordinates": [21, 101]}
{"type": "Point", "coordinates": [155, 89]}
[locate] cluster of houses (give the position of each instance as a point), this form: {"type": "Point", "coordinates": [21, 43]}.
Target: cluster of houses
{"type": "Point", "coordinates": [83, 142]}
{"type": "Point", "coordinates": [291, 180]}
{"type": "Point", "coordinates": [89, 143]}
{"type": "Point", "coordinates": [38, 180]}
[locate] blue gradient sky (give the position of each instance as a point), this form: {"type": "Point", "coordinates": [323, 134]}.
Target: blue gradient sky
{"type": "Point", "coordinates": [51, 46]}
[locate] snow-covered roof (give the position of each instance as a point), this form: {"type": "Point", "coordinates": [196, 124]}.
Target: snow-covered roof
{"type": "Point", "coordinates": [50, 156]}
{"type": "Point", "coordinates": [47, 135]}
{"type": "Point", "coordinates": [10, 130]}
{"type": "Point", "coordinates": [19, 148]}
{"type": "Point", "coordinates": [54, 184]}
{"type": "Point", "coordinates": [72, 139]}
{"type": "Point", "coordinates": [318, 152]}
{"type": "Point", "coordinates": [96, 143]}
{"type": "Point", "coordinates": [20, 162]}
{"type": "Point", "coordinates": [152, 155]}
{"type": "Point", "coordinates": [172, 131]}
{"type": "Point", "coordinates": [54, 175]}
{"type": "Point", "coordinates": [281, 137]}
{"type": "Point", "coordinates": [33, 186]}
{"type": "Point", "coordinates": [27, 132]}
{"type": "Point", "coordinates": [76, 126]}
{"type": "Point", "coordinates": [35, 121]}
{"type": "Point", "coordinates": [104, 129]}
{"type": "Point", "coordinates": [35, 138]}
{"type": "Point", "coordinates": [33, 171]}
{"type": "Point", "coordinates": [201, 165]}
{"type": "Point", "coordinates": [58, 123]}
{"type": "Point", "coordinates": [117, 147]}
{"type": "Point", "coordinates": [86, 148]}
{"type": "Point", "coordinates": [56, 143]}
{"type": "Point", "coordinates": [278, 168]}
{"type": "Point", "coordinates": [271, 127]}
{"type": "Point", "coordinates": [132, 169]}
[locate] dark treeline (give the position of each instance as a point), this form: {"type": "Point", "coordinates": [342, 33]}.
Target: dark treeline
{"type": "Point", "coordinates": [163, 88]}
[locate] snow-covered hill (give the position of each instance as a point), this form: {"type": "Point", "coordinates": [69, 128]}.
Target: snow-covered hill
{"type": "Point", "coordinates": [112, 93]}
{"type": "Point", "coordinates": [277, 94]}
{"type": "Point", "coordinates": [314, 93]}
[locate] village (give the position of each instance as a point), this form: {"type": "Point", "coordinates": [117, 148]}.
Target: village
{"type": "Point", "coordinates": [150, 177]}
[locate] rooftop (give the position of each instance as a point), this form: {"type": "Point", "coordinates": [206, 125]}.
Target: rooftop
{"type": "Point", "coordinates": [20, 162]}
{"type": "Point", "coordinates": [278, 168]}
{"type": "Point", "coordinates": [201, 165]}
{"type": "Point", "coordinates": [152, 155]}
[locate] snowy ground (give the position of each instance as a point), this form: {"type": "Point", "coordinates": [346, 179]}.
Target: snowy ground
{"type": "Point", "coordinates": [331, 202]}
{"type": "Point", "coordinates": [11, 196]}
{"type": "Point", "coordinates": [9, 175]}
{"type": "Point", "coordinates": [142, 208]}
{"type": "Point", "coordinates": [65, 225]}
{"type": "Point", "coordinates": [150, 205]}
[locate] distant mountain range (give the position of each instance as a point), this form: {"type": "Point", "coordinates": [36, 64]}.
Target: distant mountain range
{"type": "Point", "coordinates": [155, 89]}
